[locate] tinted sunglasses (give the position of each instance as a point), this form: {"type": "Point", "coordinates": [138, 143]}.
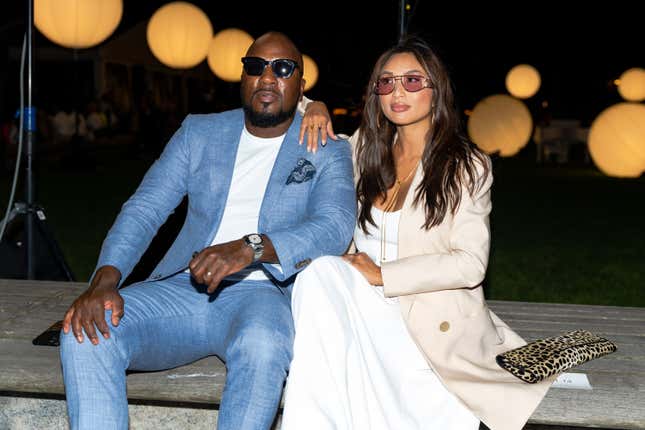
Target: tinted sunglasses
{"type": "Point", "coordinates": [411, 83]}
{"type": "Point", "coordinates": [281, 67]}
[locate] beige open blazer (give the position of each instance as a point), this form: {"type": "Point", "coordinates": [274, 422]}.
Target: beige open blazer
{"type": "Point", "coordinates": [438, 278]}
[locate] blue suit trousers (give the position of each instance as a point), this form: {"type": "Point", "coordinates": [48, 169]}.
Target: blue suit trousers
{"type": "Point", "coordinates": [172, 322]}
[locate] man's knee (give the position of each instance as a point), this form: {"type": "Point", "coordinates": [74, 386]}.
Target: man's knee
{"type": "Point", "coordinates": [72, 349]}
{"type": "Point", "coordinates": [68, 344]}
{"type": "Point", "coordinates": [261, 346]}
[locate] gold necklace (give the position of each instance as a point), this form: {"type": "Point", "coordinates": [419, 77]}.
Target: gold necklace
{"type": "Point", "coordinates": [390, 205]}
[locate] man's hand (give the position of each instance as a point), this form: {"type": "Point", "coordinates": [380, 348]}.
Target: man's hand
{"type": "Point", "coordinates": [364, 264]}
{"type": "Point", "coordinates": [88, 310]}
{"type": "Point", "coordinates": [315, 121]}
{"type": "Point", "coordinates": [217, 262]}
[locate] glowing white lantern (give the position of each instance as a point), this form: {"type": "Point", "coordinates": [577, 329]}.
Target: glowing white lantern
{"type": "Point", "coordinates": [617, 140]}
{"type": "Point", "coordinates": [500, 123]}
{"type": "Point", "coordinates": [631, 85]}
{"type": "Point", "coordinates": [225, 53]}
{"type": "Point", "coordinates": [179, 35]}
{"type": "Point", "coordinates": [77, 23]}
{"type": "Point", "coordinates": [311, 72]}
{"type": "Point", "coordinates": [523, 81]}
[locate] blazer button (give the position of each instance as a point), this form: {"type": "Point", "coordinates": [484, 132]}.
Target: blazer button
{"type": "Point", "coordinates": [444, 326]}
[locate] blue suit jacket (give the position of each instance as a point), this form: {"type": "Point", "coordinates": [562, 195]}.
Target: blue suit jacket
{"type": "Point", "coordinates": [303, 219]}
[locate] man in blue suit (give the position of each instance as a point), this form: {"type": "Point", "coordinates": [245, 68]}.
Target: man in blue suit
{"type": "Point", "coordinates": [260, 208]}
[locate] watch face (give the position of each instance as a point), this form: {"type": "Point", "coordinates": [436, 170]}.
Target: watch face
{"type": "Point", "coordinates": [255, 238]}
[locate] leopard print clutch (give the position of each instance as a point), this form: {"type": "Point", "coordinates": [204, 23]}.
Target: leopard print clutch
{"type": "Point", "coordinates": [542, 358]}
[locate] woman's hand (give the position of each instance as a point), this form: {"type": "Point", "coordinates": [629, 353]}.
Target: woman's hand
{"type": "Point", "coordinates": [315, 121]}
{"type": "Point", "coordinates": [366, 266]}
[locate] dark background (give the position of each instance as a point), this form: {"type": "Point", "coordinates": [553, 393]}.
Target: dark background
{"type": "Point", "coordinates": [578, 49]}
{"type": "Point", "coordinates": [560, 232]}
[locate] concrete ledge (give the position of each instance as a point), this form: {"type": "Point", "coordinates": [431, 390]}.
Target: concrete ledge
{"type": "Point", "coordinates": [32, 392]}
{"type": "Point", "coordinates": [23, 413]}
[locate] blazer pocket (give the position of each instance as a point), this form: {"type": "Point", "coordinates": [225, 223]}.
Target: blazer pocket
{"type": "Point", "coordinates": [296, 195]}
{"type": "Point", "coordinates": [482, 324]}
{"type": "Point", "coordinates": [470, 302]}
{"type": "Point", "coordinates": [304, 171]}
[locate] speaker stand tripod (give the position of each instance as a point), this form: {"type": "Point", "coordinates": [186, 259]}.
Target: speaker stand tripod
{"type": "Point", "coordinates": [49, 262]}
{"type": "Point", "coordinates": [17, 252]}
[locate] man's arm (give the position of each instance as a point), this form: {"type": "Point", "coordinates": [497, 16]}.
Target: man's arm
{"type": "Point", "coordinates": [160, 191]}
{"type": "Point", "coordinates": [217, 262]}
{"type": "Point", "coordinates": [328, 228]}
{"type": "Point", "coordinates": [326, 231]}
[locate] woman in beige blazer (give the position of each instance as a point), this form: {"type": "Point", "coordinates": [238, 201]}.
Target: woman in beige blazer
{"type": "Point", "coordinates": [355, 361]}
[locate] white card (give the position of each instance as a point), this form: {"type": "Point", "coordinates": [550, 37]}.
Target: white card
{"type": "Point", "coordinates": [572, 381]}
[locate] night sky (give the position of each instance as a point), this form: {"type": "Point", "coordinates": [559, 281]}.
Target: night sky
{"type": "Point", "coordinates": [579, 50]}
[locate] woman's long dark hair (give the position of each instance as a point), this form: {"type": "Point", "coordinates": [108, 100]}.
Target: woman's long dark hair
{"type": "Point", "coordinates": [449, 158]}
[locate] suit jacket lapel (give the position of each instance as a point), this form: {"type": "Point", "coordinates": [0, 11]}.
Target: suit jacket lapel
{"type": "Point", "coordinates": [287, 158]}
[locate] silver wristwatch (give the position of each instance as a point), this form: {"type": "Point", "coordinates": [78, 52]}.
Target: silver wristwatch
{"type": "Point", "coordinates": [256, 243]}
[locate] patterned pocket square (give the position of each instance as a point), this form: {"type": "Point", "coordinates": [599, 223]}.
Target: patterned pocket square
{"type": "Point", "coordinates": [303, 172]}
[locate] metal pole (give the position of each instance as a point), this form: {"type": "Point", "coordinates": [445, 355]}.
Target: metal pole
{"type": "Point", "coordinates": [30, 134]}
{"type": "Point", "coordinates": [77, 103]}
{"type": "Point", "coordinates": [402, 30]}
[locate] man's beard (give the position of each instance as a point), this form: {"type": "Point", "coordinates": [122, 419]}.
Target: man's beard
{"type": "Point", "coordinates": [266, 119]}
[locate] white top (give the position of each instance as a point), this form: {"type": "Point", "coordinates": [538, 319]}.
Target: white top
{"type": "Point", "coordinates": [253, 165]}
{"type": "Point", "coordinates": [371, 243]}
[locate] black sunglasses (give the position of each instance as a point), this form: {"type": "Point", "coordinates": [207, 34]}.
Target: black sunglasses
{"type": "Point", "coordinates": [281, 67]}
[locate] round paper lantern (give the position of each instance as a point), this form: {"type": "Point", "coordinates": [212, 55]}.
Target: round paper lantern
{"type": "Point", "coordinates": [631, 86]}
{"type": "Point", "coordinates": [500, 123]}
{"type": "Point", "coordinates": [523, 81]}
{"type": "Point", "coordinates": [77, 23]}
{"type": "Point", "coordinates": [311, 72]}
{"type": "Point", "coordinates": [225, 51]}
{"type": "Point", "coordinates": [617, 140]}
{"type": "Point", "coordinates": [179, 34]}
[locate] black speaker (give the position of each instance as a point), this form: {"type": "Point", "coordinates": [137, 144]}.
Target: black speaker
{"type": "Point", "coordinates": [49, 261]}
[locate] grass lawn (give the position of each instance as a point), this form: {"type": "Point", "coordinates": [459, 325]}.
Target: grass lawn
{"type": "Point", "coordinates": [559, 234]}
{"type": "Point", "coordinates": [569, 235]}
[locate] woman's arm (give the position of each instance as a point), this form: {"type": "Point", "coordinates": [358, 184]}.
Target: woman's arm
{"type": "Point", "coordinates": [464, 266]}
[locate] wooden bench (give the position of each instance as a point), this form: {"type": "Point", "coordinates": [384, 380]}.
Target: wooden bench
{"type": "Point", "coordinates": [32, 393]}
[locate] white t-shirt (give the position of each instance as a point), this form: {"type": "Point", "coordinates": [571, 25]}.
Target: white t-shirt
{"type": "Point", "coordinates": [253, 165]}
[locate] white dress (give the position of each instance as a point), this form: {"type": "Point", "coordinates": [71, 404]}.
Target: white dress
{"type": "Point", "coordinates": [355, 366]}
